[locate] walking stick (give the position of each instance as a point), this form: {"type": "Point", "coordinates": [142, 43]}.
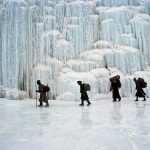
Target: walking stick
{"type": "Point", "coordinates": [36, 99]}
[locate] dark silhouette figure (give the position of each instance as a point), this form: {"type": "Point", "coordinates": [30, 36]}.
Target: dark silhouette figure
{"type": "Point", "coordinates": [84, 96]}
{"type": "Point", "coordinates": [106, 66]}
{"type": "Point", "coordinates": [140, 92]}
{"type": "Point", "coordinates": [115, 85]}
{"type": "Point", "coordinates": [43, 97]}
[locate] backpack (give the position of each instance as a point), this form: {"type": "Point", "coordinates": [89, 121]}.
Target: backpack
{"type": "Point", "coordinates": [114, 78]}
{"type": "Point", "coordinates": [117, 79]}
{"type": "Point", "coordinates": [46, 88]}
{"type": "Point", "coordinates": [87, 87]}
{"type": "Point", "coordinates": [142, 83]}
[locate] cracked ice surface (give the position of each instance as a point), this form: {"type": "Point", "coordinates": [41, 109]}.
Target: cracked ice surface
{"type": "Point", "coordinates": [66, 126]}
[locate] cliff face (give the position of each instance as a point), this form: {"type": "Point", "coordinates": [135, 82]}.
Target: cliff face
{"type": "Point", "coordinates": [60, 42]}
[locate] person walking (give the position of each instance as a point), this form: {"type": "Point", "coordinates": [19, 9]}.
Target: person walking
{"type": "Point", "coordinates": [84, 96]}
{"type": "Point", "coordinates": [140, 92]}
{"type": "Point", "coordinates": [115, 85]}
{"type": "Point", "coordinates": [43, 97]}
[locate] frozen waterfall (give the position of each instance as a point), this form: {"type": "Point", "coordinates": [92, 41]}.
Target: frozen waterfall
{"type": "Point", "coordinates": [62, 41]}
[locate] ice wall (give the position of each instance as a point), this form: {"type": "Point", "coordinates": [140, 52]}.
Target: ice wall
{"type": "Point", "coordinates": [126, 26]}
{"type": "Point", "coordinates": [14, 52]}
{"type": "Point", "coordinates": [147, 6]}
{"type": "Point", "coordinates": [114, 3]}
{"type": "Point", "coordinates": [62, 41]}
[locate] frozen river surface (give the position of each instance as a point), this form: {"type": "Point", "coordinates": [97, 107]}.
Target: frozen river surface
{"type": "Point", "coordinates": [64, 125]}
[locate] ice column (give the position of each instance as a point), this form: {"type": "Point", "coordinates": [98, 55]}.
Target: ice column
{"type": "Point", "coordinates": [147, 6]}
{"type": "Point", "coordinates": [50, 39]}
{"type": "Point", "coordinates": [31, 42]}
{"type": "Point", "coordinates": [40, 72]}
{"type": "Point", "coordinates": [63, 50]}
{"type": "Point", "coordinates": [60, 11]}
{"type": "Point", "coordinates": [111, 3]}
{"type": "Point", "coordinates": [14, 52]}
{"type": "Point", "coordinates": [1, 23]}
{"type": "Point", "coordinates": [115, 26]}
{"type": "Point", "coordinates": [141, 29]}
{"type": "Point", "coordinates": [80, 9]}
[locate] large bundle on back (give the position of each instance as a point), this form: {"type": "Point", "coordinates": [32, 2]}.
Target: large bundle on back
{"type": "Point", "coordinates": [142, 83]}
{"type": "Point", "coordinates": [116, 79]}
{"type": "Point", "coordinates": [87, 87]}
{"type": "Point", "coordinates": [46, 88]}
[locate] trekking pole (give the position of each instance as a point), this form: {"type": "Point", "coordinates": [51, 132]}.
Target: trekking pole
{"type": "Point", "coordinates": [36, 99]}
{"type": "Point", "coordinates": [47, 93]}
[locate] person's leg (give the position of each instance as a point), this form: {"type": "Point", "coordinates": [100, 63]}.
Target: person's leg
{"type": "Point", "coordinates": [45, 99]}
{"type": "Point", "coordinates": [119, 99]}
{"type": "Point", "coordinates": [41, 104]}
{"type": "Point", "coordinates": [89, 103]}
{"type": "Point", "coordinates": [114, 99]}
{"type": "Point", "coordinates": [136, 98]}
{"type": "Point", "coordinates": [114, 95]}
{"type": "Point", "coordinates": [82, 102]}
{"type": "Point", "coordinates": [41, 100]}
{"type": "Point", "coordinates": [86, 98]}
{"type": "Point", "coordinates": [144, 98]}
{"type": "Point", "coordinates": [47, 104]}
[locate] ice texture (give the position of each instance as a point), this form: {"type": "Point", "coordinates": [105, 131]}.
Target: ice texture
{"type": "Point", "coordinates": [114, 3]}
{"type": "Point", "coordinates": [66, 126]}
{"type": "Point", "coordinates": [62, 41]}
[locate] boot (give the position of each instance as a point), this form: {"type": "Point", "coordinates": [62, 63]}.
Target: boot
{"type": "Point", "coordinates": [136, 99]}
{"type": "Point", "coordinates": [47, 104]}
{"type": "Point", "coordinates": [144, 99]}
{"type": "Point", "coordinates": [89, 103]}
{"type": "Point", "coordinates": [82, 103]}
{"type": "Point", "coordinates": [119, 99]}
{"type": "Point", "coordinates": [41, 104]}
{"type": "Point", "coordinates": [114, 100]}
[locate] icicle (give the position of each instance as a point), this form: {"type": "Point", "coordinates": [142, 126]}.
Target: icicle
{"type": "Point", "coordinates": [14, 53]}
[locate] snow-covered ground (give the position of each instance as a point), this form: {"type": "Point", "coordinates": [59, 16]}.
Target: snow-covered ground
{"type": "Point", "coordinates": [64, 125]}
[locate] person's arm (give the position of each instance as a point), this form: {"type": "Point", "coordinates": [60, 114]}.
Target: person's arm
{"type": "Point", "coordinates": [83, 89]}
{"type": "Point", "coordinates": [119, 84]}
{"type": "Point", "coordinates": [40, 89]}
{"type": "Point", "coordinates": [111, 87]}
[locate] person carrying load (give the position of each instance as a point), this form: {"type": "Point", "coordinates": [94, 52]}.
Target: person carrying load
{"type": "Point", "coordinates": [140, 84]}
{"type": "Point", "coordinates": [42, 89]}
{"type": "Point", "coordinates": [83, 90]}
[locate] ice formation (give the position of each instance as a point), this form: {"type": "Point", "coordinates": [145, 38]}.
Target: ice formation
{"type": "Point", "coordinates": [62, 41]}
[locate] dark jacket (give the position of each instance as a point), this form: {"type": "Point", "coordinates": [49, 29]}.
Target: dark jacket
{"type": "Point", "coordinates": [115, 85]}
{"type": "Point", "coordinates": [83, 92]}
{"type": "Point", "coordinates": [140, 92]}
{"type": "Point", "coordinates": [43, 97]}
